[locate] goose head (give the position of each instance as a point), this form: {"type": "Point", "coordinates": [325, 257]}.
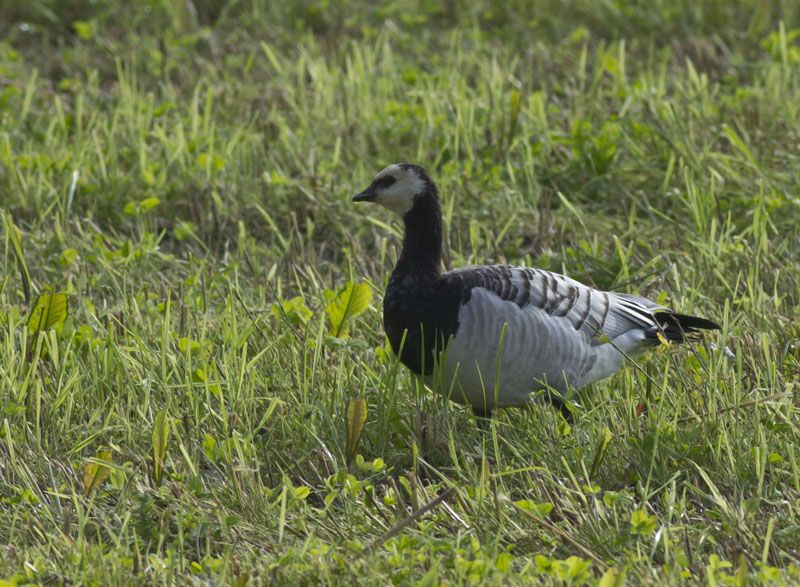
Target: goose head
{"type": "Point", "coordinates": [398, 188]}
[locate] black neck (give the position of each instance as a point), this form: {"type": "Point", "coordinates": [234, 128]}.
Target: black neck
{"type": "Point", "coordinates": [422, 243]}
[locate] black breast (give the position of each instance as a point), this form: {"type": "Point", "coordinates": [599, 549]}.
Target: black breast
{"type": "Point", "coordinates": [427, 313]}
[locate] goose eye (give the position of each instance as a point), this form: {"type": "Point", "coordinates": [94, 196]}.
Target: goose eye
{"type": "Point", "coordinates": [384, 182]}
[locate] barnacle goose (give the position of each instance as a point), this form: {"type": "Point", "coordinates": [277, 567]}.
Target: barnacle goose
{"type": "Point", "coordinates": [501, 333]}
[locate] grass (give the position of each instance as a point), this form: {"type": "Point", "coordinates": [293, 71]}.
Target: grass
{"type": "Point", "coordinates": [182, 172]}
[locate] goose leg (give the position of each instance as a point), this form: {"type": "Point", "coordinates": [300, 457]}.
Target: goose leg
{"type": "Point", "coordinates": [482, 417]}
{"type": "Point", "coordinates": [561, 406]}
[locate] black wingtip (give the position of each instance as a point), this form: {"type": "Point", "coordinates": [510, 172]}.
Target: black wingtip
{"type": "Point", "coordinates": [689, 322]}
{"type": "Point", "coordinates": [681, 327]}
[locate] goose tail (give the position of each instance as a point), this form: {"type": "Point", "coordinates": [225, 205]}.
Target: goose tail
{"type": "Point", "coordinates": [680, 327]}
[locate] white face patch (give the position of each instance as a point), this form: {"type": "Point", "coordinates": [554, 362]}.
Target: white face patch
{"type": "Point", "coordinates": [399, 197]}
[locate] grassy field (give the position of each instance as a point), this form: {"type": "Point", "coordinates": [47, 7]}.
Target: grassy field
{"type": "Point", "coordinates": [182, 394]}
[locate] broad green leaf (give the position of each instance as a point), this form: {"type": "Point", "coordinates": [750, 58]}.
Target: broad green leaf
{"type": "Point", "coordinates": [573, 571]}
{"type": "Point", "coordinates": [49, 311]}
{"type": "Point", "coordinates": [68, 257]}
{"type": "Point", "coordinates": [149, 204]}
{"type": "Point", "coordinates": [503, 562]}
{"type": "Point", "coordinates": [84, 29]}
{"type": "Point", "coordinates": [210, 448]}
{"type": "Point", "coordinates": [543, 564]}
{"type": "Point", "coordinates": [600, 452]}
{"type": "Point", "coordinates": [348, 303]}
{"type": "Point", "coordinates": [539, 509]}
{"type": "Point", "coordinates": [148, 178]}
{"type": "Point", "coordinates": [356, 418]}
{"type": "Point", "coordinates": [294, 310]}
{"type": "Point", "coordinates": [95, 472]}
{"type": "Point", "coordinates": [642, 523]}
{"type": "Point", "coordinates": [612, 578]}
{"type": "Point", "coordinates": [184, 230]}
{"type": "Point", "coordinates": [185, 344]}
{"type": "Point", "coordinates": [160, 440]}
{"type": "Point", "coordinates": [301, 492]}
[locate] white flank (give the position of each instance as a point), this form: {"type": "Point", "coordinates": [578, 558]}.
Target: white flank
{"type": "Point", "coordinates": [538, 350]}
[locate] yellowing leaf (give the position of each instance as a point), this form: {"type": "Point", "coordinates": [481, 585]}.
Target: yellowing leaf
{"type": "Point", "coordinates": [348, 303]}
{"type": "Point", "coordinates": [95, 472]}
{"type": "Point", "coordinates": [49, 311]}
{"type": "Point", "coordinates": [160, 439]}
{"type": "Point", "coordinates": [356, 418]}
